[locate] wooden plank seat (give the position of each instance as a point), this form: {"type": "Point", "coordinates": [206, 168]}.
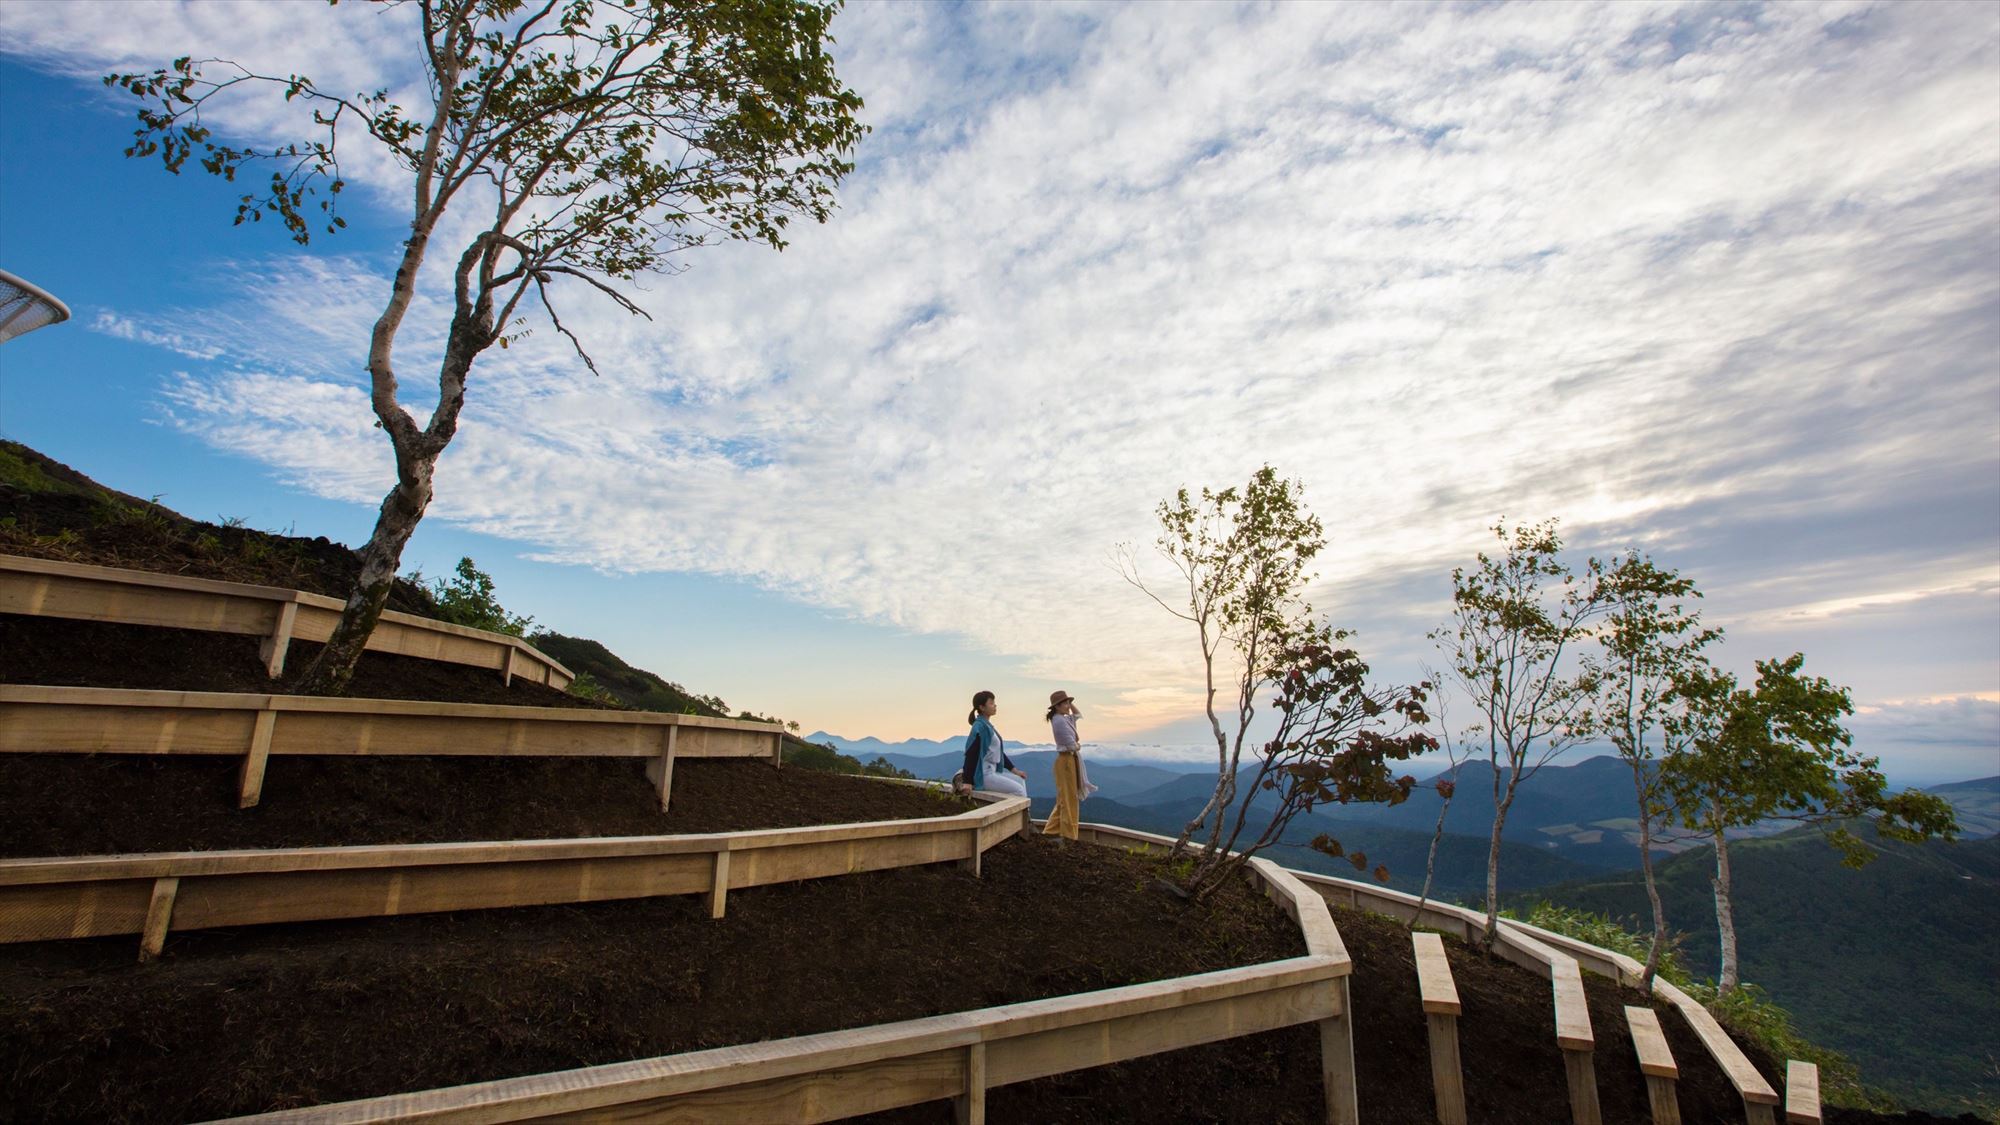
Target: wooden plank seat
{"type": "Point", "coordinates": [1441, 1011]}
{"type": "Point", "coordinates": [1656, 1062]}
{"type": "Point", "coordinates": [147, 894]}
{"type": "Point", "coordinates": [50, 588]}
{"type": "Point", "coordinates": [956, 1056]}
{"type": "Point", "coordinates": [1759, 1099]}
{"type": "Point", "coordinates": [76, 720]}
{"type": "Point", "coordinates": [1801, 1093]}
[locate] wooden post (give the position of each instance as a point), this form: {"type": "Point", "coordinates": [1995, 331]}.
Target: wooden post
{"type": "Point", "coordinates": [507, 668]}
{"type": "Point", "coordinates": [778, 750]}
{"type": "Point", "coordinates": [660, 771]}
{"type": "Point", "coordinates": [971, 861]}
{"type": "Point", "coordinates": [1441, 1011]}
{"type": "Point", "coordinates": [1573, 1035]}
{"type": "Point", "coordinates": [718, 891]}
{"type": "Point", "coordinates": [1656, 1062]}
{"type": "Point", "coordinates": [250, 780]}
{"type": "Point", "coordinates": [1336, 1059]}
{"type": "Point", "coordinates": [159, 912]}
{"type": "Point", "coordinates": [1582, 1073]}
{"type": "Point", "coordinates": [969, 1108]}
{"type": "Point", "coordinates": [1759, 1113]}
{"type": "Point", "coordinates": [280, 640]}
{"type": "Point", "coordinates": [1801, 1093]}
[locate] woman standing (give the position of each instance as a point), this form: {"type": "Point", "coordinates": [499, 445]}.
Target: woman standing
{"type": "Point", "coordinates": [987, 765]}
{"type": "Point", "coordinates": [1072, 784]}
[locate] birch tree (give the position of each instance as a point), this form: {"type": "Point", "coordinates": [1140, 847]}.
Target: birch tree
{"type": "Point", "coordinates": [1780, 751]}
{"type": "Point", "coordinates": [1511, 647]}
{"type": "Point", "coordinates": [1457, 751]}
{"type": "Point", "coordinates": [579, 143]}
{"type": "Point", "coordinates": [1650, 641]}
{"type": "Point", "coordinates": [1241, 559]}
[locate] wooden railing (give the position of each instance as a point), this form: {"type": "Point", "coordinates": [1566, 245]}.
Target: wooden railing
{"type": "Point", "coordinates": [47, 588]}
{"type": "Point", "coordinates": [74, 720]}
{"type": "Point", "coordinates": [97, 896]}
{"type": "Point", "coordinates": [1573, 1033]}
{"type": "Point", "coordinates": [958, 1056]}
{"type": "Point", "coordinates": [1533, 946]}
{"type": "Point", "coordinates": [1759, 1099]}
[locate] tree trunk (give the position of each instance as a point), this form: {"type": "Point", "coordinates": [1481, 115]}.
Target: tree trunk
{"type": "Point", "coordinates": [417, 453]}
{"type": "Point", "coordinates": [1221, 753]}
{"type": "Point", "coordinates": [402, 508]}
{"type": "Point", "coordinates": [1493, 868]}
{"type": "Point", "coordinates": [1431, 860]}
{"type": "Point", "coordinates": [1652, 884]}
{"type": "Point", "coordinates": [1194, 826]}
{"type": "Point", "coordinates": [1725, 918]}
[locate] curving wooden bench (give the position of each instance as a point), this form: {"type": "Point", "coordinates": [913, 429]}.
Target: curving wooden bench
{"type": "Point", "coordinates": [1572, 1011]}
{"type": "Point", "coordinates": [1441, 1012]}
{"type": "Point", "coordinates": [147, 894]}
{"type": "Point", "coordinates": [1759, 1099]}
{"type": "Point", "coordinates": [958, 1056]}
{"type": "Point", "coordinates": [46, 588]}
{"type": "Point", "coordinates": [1801, 1093]}
{"type": "Point", "coordinates": [75, 720]}
{"type": "Point", "coordinates": [1656, 1062]}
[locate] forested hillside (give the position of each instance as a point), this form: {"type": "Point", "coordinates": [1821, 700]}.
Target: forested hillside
{"type": "Point", "coordinates": [1895, 964]}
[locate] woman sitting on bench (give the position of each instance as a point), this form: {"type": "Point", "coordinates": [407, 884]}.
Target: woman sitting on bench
{"type": "Point", "coordinates": [987, 765]}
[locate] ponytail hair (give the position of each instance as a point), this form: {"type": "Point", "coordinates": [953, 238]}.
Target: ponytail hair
{"type": "Point", "coordinates": [979, 699]}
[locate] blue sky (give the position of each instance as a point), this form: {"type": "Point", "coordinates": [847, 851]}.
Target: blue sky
{"type": "Point", "coordinates": [1719, 281]}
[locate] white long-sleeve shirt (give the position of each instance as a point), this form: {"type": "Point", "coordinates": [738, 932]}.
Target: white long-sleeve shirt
{"type": "Point", "coordinates": [1064, 729]}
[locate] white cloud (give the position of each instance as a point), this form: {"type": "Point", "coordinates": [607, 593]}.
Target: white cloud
{"type": "Point", "coordinates": [1928, 741]}
{"type": "Point", "coordinates": [1676, 273]}
{"type": "Point", "coordinates": [123, 328]}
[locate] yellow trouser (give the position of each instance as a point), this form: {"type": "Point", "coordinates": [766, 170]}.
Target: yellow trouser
{"type": "Point", "coordinates": [1063, 819]}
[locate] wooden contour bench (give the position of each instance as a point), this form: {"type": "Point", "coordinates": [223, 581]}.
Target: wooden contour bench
{"type": "Point", "coordinates": [77, 720]}
{"type": "Point", "coordinates": [1441, 1011]}
{"type": "Point", "coordinates": [58, 898]}
{"type": "Point", "coordinates": [46, 588]}
{"type": "Point", "coordinates": [1656, 1062]}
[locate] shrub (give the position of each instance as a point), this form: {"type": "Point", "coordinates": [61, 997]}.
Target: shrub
{"type": "Point", "coordinates": [469, 600]}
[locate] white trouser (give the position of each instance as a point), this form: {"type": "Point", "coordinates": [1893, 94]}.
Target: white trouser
{"type": "Point", "coordinates": [1000, 781]}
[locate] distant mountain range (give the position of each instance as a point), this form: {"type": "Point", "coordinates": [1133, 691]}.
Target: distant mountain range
{"type": "Point", "coordinates": [1568, 822]}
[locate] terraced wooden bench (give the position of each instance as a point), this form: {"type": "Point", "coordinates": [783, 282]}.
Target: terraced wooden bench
{"type": "Point", "coordinates": [99, 896]}
{"type": "Point", "coordinates": [958, 1056]}
{"type": "Point", "coordinates": [1759, 1099]}
{"type": "Point", "coordinates": [1572, 1011]}
{"type": "Point", "coordinates": [1656, 1062]}
{"type": "Point", "coordinates": [1801, 1093]}
{"type": "Point", "coordinates": [48, 588]}
{"type": "Point", "coordinates": [74, 720]}
{"type": "Point", "coordinates": [1441, 1011]}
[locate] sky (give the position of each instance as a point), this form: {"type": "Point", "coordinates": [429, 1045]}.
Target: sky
{"type": "Point", "coordinates": [1718, 282]}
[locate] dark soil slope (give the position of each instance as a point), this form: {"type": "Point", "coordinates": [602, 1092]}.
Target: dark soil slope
{"type": "Point", "coordinates": [50, 511]}
{"type": "Point", "coordinates": [232, 1022]}
{"type": "Point", "coordinates": [57, 652]}
{"type": "Point", "coordinates": [66, 804]}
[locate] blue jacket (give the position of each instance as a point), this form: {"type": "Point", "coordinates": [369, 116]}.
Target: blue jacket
{"type": "Point", "coordinates": [975, 751]}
